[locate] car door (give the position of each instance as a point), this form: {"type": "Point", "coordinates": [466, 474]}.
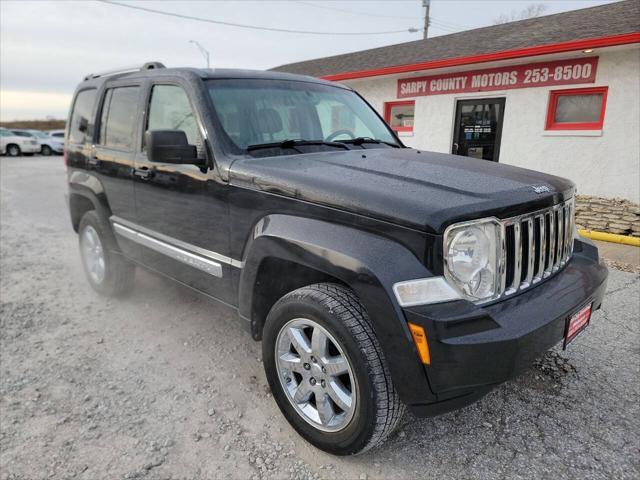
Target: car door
{"type": "Point", "coordinates": [113, 154]}
{"type": "Point", "coordinates": [182, 210]}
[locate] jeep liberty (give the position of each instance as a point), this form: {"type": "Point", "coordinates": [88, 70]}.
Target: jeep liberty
{"type": "Point", "coordinates": [377, 277]}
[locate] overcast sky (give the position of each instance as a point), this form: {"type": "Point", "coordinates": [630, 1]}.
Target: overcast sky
{"type": "Point", "coordinates": [46, 47]}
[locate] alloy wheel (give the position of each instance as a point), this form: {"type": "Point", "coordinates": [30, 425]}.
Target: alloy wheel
{"type": "Point", "coordinates": [93, 254]}
{"type": "Point", "coordinates": [316, 375]}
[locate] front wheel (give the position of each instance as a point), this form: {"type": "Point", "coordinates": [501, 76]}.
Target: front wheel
{"type": "Point", "coordinates": [327, 371]}
{"type": "Point", "coordinates": [13, 150]}
{"type": "Point", "coordinates": [46, 150]}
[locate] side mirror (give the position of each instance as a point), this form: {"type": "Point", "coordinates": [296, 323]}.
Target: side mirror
{"type": "Point", "coordinates": [170, 146]}
{"type": "Point", "coordinates": [83, 124]}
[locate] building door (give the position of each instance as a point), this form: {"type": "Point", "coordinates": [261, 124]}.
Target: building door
{"type": "Point", "coordinates": [478, 128]}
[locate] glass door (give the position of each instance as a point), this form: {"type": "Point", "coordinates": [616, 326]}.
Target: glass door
{"type": "Point", "coordinates": [478, 128]}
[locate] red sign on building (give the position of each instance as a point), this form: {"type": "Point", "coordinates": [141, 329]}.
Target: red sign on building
{"type": "Point", "coordinates": [561, 72]}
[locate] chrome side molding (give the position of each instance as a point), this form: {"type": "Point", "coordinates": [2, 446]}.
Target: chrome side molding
{"type": "Point", "coordinates": [196, 257]}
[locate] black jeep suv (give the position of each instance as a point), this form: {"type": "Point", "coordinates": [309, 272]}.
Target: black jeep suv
{"type": "Point", "coordinates": [378, 277]}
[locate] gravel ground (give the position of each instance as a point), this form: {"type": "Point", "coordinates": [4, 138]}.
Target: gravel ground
{"type": "Point", "coordinates": [165, 384]}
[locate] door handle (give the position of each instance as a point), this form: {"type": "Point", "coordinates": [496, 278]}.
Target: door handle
{"type": "Point", "coordinates": [144, 173]}
{"type": "Point", "coordinates": [93, 160]}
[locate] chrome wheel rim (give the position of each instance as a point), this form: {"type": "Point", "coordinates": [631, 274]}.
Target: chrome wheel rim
{"type": "Point", "coordinates": [316, 375]}
{"type": "Point", "coordinates": [92, 254]}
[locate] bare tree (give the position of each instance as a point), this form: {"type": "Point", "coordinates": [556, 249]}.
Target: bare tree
{"type": "Point", "coordinates": [530, 11]}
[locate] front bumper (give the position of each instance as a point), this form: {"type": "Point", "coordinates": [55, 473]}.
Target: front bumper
{"type": "Point", "coordinates": [474, 348]}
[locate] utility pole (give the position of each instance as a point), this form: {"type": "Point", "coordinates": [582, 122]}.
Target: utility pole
{"type": "Point", "coordinates": [203, 51]}
{"type": "Point", "coordinates": [426, 4]}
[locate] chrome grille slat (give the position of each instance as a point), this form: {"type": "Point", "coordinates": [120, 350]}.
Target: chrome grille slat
{"type": "Point", "coordinates": [543, 247]}
{"type": "Point", "coordinates": [568, 230]}
{"type": "Point", "coordinates": [517, 269]}
{"type": "Point", "coordinates": [531, 249]}
{"type": "Point", "coordinates": [552, 243]}
{"type": "Point", "coordinates": [535, 246]}
{"type": "Point", "coordinates": [560, 221]}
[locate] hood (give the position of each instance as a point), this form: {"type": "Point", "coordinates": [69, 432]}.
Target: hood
{"type": "Point", "coordinates": [421, 190]}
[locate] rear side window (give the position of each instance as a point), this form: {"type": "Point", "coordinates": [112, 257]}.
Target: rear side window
{"type": "Point", "coordinates": [118, 120]}
{"type": "Point", "coordinates": [81, 121]}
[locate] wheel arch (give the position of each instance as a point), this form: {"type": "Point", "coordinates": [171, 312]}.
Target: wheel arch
{"type": "Point", "coordinates": [86, 193]}
{"type": "Point", "coordinates": [320, 251]}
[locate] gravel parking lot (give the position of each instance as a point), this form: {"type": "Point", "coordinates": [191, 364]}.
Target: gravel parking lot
{"type": "Point", "coordinates": [165, 384]}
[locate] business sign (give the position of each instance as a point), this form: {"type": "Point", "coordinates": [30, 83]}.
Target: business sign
{"type": "Point", "coordinates": [561, 72]}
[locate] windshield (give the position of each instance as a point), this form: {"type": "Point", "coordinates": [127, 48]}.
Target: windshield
{"type": "Point", "coordinates": [257, 113]}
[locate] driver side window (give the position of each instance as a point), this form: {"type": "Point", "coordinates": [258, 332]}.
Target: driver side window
{"type": "Point", "coordinates": [169, 109]}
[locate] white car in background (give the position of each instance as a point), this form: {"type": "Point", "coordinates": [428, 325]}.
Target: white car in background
{"type": "Point", "coordinates": [15, 145]}
{"type": "Point", "coordinates": [56, 133]}
{"type": "Point", "coordinates": [48, 144]}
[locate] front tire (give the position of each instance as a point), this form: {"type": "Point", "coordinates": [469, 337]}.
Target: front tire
{"type": "Point", "coordinates": [13, 150]}
{"type": "Point", "coordinates": [46, 150]}
{"type": "Point", "coordinates": [327, 371]}
{"type": "Point", "coordinates": [107, 271]}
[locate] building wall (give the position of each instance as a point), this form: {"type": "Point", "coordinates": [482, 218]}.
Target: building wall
{"type": "Point", "coordinates": [604, 163]}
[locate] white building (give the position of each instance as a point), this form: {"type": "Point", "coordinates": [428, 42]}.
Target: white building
{"type": "Point", "coordinates": [559, 93]}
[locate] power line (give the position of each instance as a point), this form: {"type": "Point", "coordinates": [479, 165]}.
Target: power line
{"type": "Point", "coordinates": [252, 27]}
{"type": "Point", "coordinates": [364, 14]}
{"type": "Point", "coordinates": [450, 25]}
{"type": "Point", "coordinates": [443, 23]}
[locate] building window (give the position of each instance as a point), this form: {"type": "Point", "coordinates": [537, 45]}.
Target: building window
{"type": "Point", "coordinates": [577, 109]}
{"type": "Point", "coordinates": [399, 115]}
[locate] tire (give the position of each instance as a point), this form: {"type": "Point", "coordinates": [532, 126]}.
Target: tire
{"type": "Point", "coordinates": [46, 150]}
{"type": "Point", "coordinates": [333, 310]}
{"type": "Point", "coordinates": [13, 150]}
{"type": "Point", "coordinates": [114, 275]}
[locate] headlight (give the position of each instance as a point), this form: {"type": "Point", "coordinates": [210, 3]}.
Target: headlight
{"type": "Point", "coordinates": [472, 254]}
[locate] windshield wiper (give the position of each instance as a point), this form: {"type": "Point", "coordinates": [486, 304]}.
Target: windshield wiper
{"type": "Point", "coordinates": [295, 143]}
{"type": "Point", "coordinates": [360, 140]}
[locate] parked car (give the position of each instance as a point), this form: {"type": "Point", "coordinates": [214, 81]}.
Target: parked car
{"type": "Point", "coordinates": [48, 144]}
{"type": "Point", "coordinates": [56, 133]}
{"type": "Point", "coordinates": [15, 145]}
{"type": "Point", "coordinates": [377, 277]}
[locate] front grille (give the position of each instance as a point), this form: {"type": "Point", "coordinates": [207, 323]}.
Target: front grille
{"type": "Point", "coordinates": [536, 246]}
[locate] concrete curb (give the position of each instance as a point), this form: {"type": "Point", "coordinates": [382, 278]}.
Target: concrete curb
{"type": "Point", "coordinates": [610, 237]}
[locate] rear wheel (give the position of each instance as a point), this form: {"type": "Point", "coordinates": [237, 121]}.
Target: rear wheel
{"type": "Point", "coordinates": [107, 271]}
{"type": "Point", "coordinates": [46, 150]}
{"type": "Point", "coordinates": [327, 371]}
{"type": "Point", "coordinates": [13, 150]}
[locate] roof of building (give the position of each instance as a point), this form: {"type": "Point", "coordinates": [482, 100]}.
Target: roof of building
{"type": "Point", "coordinates": [595, 22]}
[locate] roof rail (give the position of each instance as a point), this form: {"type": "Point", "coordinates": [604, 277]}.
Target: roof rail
{"type": "Point", "coordinates": [133, 68]}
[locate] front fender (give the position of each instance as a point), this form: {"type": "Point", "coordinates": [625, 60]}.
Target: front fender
{"type": "Point", "coordinates": [368, 263]}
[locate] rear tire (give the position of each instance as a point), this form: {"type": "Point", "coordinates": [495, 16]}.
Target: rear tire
{"type": "Point", "coordinates": [13, 150]}
{"type": "Point", "coordinates": [366, 407]}
{"type": "Point", "coordinates": [107, 271]}
{"type": "Point", "coordinates": [46, 150]}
